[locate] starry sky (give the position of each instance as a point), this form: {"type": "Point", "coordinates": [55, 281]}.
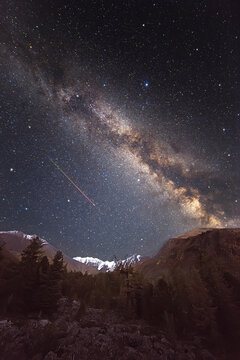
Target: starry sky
{"type": "Point", "coordinates": [137, 103]}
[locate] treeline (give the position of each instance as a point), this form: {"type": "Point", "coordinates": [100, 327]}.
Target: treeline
{"type": "Point", "coordinates": [32, 284]}
{"type": "Point", "coordinates": [202, 303]}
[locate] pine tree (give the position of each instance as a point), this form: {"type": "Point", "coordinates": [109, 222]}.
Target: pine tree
{"type": "Point", "coordinates": [43, 293]}
{"type": "Point", "coordinates": [57, 269]}
{"type": "Point", "coordinates": [29, 267]}
{"type": "Point", "coordinates": [1, 250]}
{"type": "Point", "coordinates": [32, 255]}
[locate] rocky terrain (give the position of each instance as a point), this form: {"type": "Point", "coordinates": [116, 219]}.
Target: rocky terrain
{"type": "Point", "coordinates": [194, 249]}
{"type": "Point", "coordinates": [96, 335]}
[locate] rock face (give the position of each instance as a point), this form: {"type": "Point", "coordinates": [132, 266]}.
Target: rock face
{"type": "Point", "coordinates": [15, 242]}
{"type": "Point", "coordinates": [193, 249]}
{"type": "Point", "coordinates": [95, 335]}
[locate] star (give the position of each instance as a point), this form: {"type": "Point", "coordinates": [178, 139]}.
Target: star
{"type": "Point", "coordinates": [137, 112]}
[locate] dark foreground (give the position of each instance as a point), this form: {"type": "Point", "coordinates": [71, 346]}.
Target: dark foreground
{"type": "Point", "coordinates": [96, 335]}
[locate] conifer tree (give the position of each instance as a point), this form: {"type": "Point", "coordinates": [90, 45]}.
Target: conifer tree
{"type": "Point", "coordinates": [29, 267]}
{"type": "Point", "coordinates": [1, 248]}
{"type": "Point", "coordinates": [32, 255]}
{"type": "Point", "coordinates": [43, 293]}
{"type": "Point", "coordinates": [57, 269]}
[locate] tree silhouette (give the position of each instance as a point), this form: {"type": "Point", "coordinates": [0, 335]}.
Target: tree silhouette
{"type": "Point", "coordinates": [29, 267]}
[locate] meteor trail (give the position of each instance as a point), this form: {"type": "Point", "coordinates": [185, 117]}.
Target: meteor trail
{"type": "Point", "coordinates": [72, 182]}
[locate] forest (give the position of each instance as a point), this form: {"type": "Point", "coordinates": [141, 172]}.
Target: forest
{"type": "Point", "coordinates": [202, 303]}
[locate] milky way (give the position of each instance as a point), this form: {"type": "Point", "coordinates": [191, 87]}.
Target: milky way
{"type": "Point", "coordinates": [153, 140]}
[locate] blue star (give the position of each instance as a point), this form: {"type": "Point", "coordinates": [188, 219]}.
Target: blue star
{"type": "Point", "coordinates": [26, 208]}
{"type": "Point", "coordinates": [146, 84]}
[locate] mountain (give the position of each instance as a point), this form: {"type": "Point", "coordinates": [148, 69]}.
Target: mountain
{"type": "Point", "coordinates": [6, 258]}
{"type": "Point", "coordinates": [102, 265]}
{"type": "Point", "coordinates": [195, 249]}
{"type": "Point", "coordinates": [190, 292]}
{"type": "Point", "coordinates": [16, 241]}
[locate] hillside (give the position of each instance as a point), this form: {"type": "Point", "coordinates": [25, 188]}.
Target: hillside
{"type": "Point", "coordinates": [15, 242]}
{"type": "Point", "coordinates": [194, 249]}
{"type": "Point", "coordinates": [6, 258]}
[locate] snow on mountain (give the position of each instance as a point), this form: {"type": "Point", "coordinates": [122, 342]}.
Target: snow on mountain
{"type": "Point", "coordinates": [99, 264]}
{"type": "Point", "coordinates": [102, 265]}
{"type": "Point", "coordinates": [131, 260]}
{"type": "Point", "coordinates": [31, 237]}
{"type": "Point", "coordinates": [16, 241]}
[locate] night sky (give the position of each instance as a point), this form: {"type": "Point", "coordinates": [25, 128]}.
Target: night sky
{"type": "Point", "coordinates": [137, 102]}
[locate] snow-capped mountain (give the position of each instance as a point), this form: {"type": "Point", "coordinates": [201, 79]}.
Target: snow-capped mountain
{"type": "Point", "coordinates": [102, 265]}
{"type": "Point", "coordinates": [97, 263]}
{"type": "Point", "coordinates": [16, 241]}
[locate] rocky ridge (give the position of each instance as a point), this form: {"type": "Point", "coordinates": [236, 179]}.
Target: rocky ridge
{"type": "Point", "coordinates": [194, 249]}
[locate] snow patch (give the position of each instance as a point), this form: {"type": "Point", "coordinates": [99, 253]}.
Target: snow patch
{"type": "Point", "coordinates": [99, 264]}
{"type": "Point", "coordinates": [10, 232]}
{"type": "Point", "coordinates": [31, 237]}
{"type": "Point", "coordinates": [19, 233]}
{"type": "Point", "coordinates": [108, 265]}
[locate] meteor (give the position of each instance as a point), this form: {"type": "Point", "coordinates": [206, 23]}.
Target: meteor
{"type": "Point", "coordinates": [58, 167]}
